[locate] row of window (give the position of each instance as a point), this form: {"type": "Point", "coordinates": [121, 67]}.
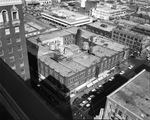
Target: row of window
{"type": "Point", "coordinates": [9, 41]}
{"type": "Point", "coordinates": [12, 58]}
{"type": "Point", "coordinates": [21, 65]}
{"type": "Point", "coordinates": [4, 17]}
{"type": "Point", "coordinates": [76, 78]}
{"type": "Point", "coordinates": [11, 50]}
{"type": "Point", "coordinates": [7, 31]}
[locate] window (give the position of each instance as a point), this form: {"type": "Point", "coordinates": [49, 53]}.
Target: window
{"type": "Point", "coordinates": [7, 31]}
{"type": "Point", "coordinates": [93, 69]}
{"type": "Point", "coordinates": [5, 16]}
{"type": "Point", "coordinates": [13, 67]}
{"type": "Point", "coordinates": [18, 39]}
{"type": "Point", "coordinates": [16, 29]}
{"type": "Point", "coordinates": [0, 43]}
{"type": "Point", "coordinates": [20, 55]}
{"type": "Point", "coordinates": [10, 50]}
{"type": "Point", "coordinates": [14, 13]}
{"type": "Point", "coordinates": [19, 47]}
{"type": "Point", "coordinates": [22, 71]}
{"type": "Point", "coordinates": [1, 52]}
{"type": "Point", "coordinates": [12, 58]}
{"type": "Point", "coordinates": [22, 64]}
{"type": "Point", "coordinates": [9, 41]}
{"type": "Point", "coordinates": [89, 71]}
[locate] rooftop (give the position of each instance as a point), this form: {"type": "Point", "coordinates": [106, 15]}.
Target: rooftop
{"type": "Point", "coordinates": [64, 71]}
{"type": "Point", "coordinates": [102, 51]}
{"type": "Point", "coordinates": [99, 26]}
{"type": "Point", "coordinates": [109, 44]}
{"type": "Point", "coordinates": [135, 95]}
{"type": "Point", "coordinates": [106, 8]}
{"type": "Point", "coordinates": [123, 21]}
{"type": "Point", "coordinates": [76, 67]}
{"type": "Point", "coordinates": [50, 35]}
{"type": "Point", "coordinates": [86, 59]}
{"type": "Point", "coordinates": [66, 15]}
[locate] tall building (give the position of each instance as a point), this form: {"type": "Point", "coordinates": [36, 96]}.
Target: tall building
{"type": "Point", "coordinates": [18, 101]}
{"type": "Point", "coordinates": [130, 101]}
{"type": "Point", "coordinates": [13, 48]}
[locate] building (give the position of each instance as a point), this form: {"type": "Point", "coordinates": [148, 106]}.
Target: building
{"type": "Point", "coordinates": [107, 12]}
{"type": "Point", "coordinates": [13, 48]}
{"type": "Point", "coordinates": [21, 102]}
{"type": "Point", "coordinates": [140, 18]}
{"type": "Point", "coordinates": [101, 28]}
{"type": "Point", "coordinates": [134, 40]}
{"type": "Point", "coordinates": [66, 18]}
{"type": "Point", "coordinates": [130, 101]}
{"type": "Point", "coordinates": [58, 56]}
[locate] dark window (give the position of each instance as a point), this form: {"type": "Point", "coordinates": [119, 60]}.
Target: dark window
{"type": "Point", "coordinates": [4, 14]}
{"type": "Point", "coordinates": [14, 15]}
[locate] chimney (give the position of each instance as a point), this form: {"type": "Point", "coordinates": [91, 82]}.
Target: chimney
{"type": "Point", "coordinates": [79, 38]}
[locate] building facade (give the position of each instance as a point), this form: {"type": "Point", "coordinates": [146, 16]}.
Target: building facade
{"type": "Point", "coordinates": [107, 12]}
{"type": "Point", "coordinates": [102, 29]}
{"type": "Point", "coordinates": [12, 37]}
{"type": "Point", "coordinates": [130, 38]}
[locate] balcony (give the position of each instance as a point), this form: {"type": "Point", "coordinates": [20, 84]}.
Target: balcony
{"type": "Point", "coordinates": [4, 24]}
{"type": "Point", "coordinates": [16, 22]}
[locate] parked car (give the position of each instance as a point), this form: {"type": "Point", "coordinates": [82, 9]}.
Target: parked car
{"type": "Point", "coordinates": [122, 72]}
{"type": "Point", "coordinates": [130, 66]}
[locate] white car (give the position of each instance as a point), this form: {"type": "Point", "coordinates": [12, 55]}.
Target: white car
{"type": "Point", "coordinates": [122, 72]}
{"type": "Point", "coordinates": [130, 66]}
{"type": "Point", "coordinates": [88, 105]}
{"type": "Point", "coordinates": [90, 98]}
{"type": "Point", "coordinates": [110, 79]}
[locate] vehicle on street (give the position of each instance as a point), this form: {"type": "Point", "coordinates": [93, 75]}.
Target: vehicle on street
{"type": "Point", "coordinates": [122, 72]}
{"type": "Point", "coordinates": [130, 66]}
{"type": "Point", "coordinates": [110, 79]}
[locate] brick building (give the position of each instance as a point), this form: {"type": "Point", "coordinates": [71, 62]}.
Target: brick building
{"type": "Point", "coordinates": [100, 28]}
{"type": "Point", "coordinates": [72, 66]}
{"type": "Point", "coordinates": [12, 37]}
{"type": "Point", "coordinates": [130, 38]}
{"type": "Point", "coordinates": [130, 101]}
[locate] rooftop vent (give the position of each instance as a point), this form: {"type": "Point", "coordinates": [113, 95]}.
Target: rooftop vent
{"type": "Point", "coordinates": [103, 25]}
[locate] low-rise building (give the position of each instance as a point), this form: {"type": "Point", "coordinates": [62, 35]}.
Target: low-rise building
{"type": "Point", "coordinates": [100, 28]}
{"type": "Point", "coordinates": [69, 64]}
{"type": "Point", "coordinates": [134, 40]}
{"type": "Point", "coordinates": [106, 12]}
{"type": "Point", "coordinates": [66, 18]}
{"type": "Point", "coordinates": [130, 101]}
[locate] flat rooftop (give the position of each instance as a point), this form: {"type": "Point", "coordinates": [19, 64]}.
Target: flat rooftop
{"type": "Point", "coordinates": [109, 44]}
{"type": "Point", "coordinates": [123, 21]}
{"type": "Point", "coordinates": [102, 51]}
{"type": "Point", "coordinates": [106, 8]}
{"type": "Point", "coordinates": [135, 95]}
{"type": "Point", "coordinates": [64, 71]}
{"type": "Point", "coordinates": [50, 35]}
{"type": "Point", "coordinates": [76, 67]}
{"type": "Point", "coordinates": [98, 24]}
{"type": "Point", "coordinates": [40, 50]}
{"type": "Point", "coordinates": [86, 59]}
{"type": "Point", "coordinates": [66, 15]}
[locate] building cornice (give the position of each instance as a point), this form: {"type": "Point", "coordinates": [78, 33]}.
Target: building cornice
{"type": "Point", "coordinates": [10, 2]}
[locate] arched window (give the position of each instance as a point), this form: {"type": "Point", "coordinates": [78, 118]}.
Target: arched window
{"type": "Point", "coordinates": [4, 14]}
{"type": "Point", "coordinates": [14, 13]}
